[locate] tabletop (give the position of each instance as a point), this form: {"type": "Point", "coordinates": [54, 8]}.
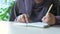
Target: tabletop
{"type": "Point", "coordinates": [7, 27]}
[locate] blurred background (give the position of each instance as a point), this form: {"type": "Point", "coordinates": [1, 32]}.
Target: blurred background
{"type": "Point", "coordinates": [5, 8]}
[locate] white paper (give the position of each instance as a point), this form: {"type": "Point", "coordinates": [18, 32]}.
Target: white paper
{"type": "Point", "coordinates": [36, 24]}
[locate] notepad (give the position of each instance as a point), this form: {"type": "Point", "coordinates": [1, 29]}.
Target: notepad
{"type": "Point", "coordinates": [36, 24]}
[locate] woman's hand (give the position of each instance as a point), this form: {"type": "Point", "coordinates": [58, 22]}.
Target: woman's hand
{"type": "Point", "coordinates": [49, 19]}
{"type": "Point", "coordinates": [23, 18]}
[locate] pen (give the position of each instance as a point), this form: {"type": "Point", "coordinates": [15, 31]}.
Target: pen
{"type": "Point", "coordinates": [49, 9]}
{"type": "Point", "coordinates": [26, 11]}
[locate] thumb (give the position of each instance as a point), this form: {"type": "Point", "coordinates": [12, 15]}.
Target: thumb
{"type": "Point", "coordinates": [43, 18]}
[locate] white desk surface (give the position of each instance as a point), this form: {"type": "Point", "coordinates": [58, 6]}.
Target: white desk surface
{"type": "Point", "coordinates": [8, 28]}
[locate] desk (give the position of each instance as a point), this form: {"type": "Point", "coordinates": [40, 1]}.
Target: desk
{"type": "Point", "coordinates": [8, 28]}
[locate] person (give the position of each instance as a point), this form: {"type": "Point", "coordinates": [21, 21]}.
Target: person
{"type": "Point", "coordinates": [34, 11]}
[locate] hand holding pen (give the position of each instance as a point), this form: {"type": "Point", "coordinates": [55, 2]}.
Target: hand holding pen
{"type": "Point", "coordinates": [49, 18]}
{"type": "Point", "coordinates": [23, 18]}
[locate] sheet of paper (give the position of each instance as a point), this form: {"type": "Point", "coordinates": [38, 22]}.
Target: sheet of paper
{"type": "Point", "coordinates": [36, 24]}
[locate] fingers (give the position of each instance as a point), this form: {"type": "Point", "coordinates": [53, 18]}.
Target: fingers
{"type": "Point", "coordinates": [49, 19]}
{"type": "Point", "coordinates": [26, 18]}
{"type": "Point", "coordinates": [20, 19]}
{"type": "Point", "coordinates": [45, 19]}
{"type": "Point", "coordinates": [23, 18]}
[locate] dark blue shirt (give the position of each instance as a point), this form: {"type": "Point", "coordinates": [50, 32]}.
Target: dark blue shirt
{"type": "Point", "coordinates": [35, 11]}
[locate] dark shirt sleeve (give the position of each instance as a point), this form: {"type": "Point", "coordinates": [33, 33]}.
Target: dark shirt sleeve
{"type": "Point", "coordinates": [13, 13]}
{"type": "Point", "coordinates": [57, 20]}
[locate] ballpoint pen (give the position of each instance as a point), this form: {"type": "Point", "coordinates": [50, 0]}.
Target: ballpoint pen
{"type": "Point", "coordinates": [26, 11]}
